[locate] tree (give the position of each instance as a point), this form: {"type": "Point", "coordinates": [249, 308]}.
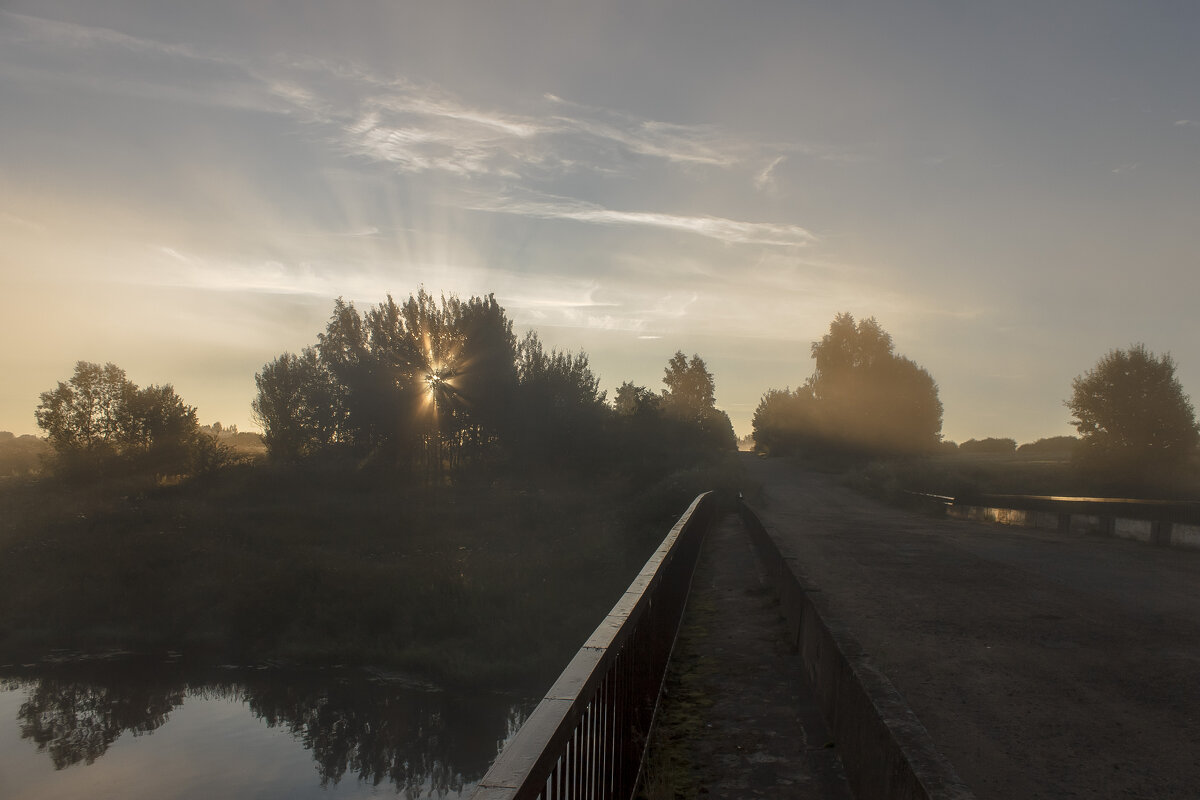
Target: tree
{"type": "Point", "coordinates": [1132, 414]}
{"type": "Point", "coordinates": [861, 397]}
{"type": "Point", "coordinates": [785, 420]}
{"type": "Point", "coordinates": [690, 392]}
{"type": "Point", "coordinates": [989, 445]}
{"type": "Point", "coordinates": [560, 407]}
{"type": "Point", "coordinates": [424, 383]}
{"type": "Point", "coordinates": [297, 406]}
{"type": "Point", "coordinates": [631, 400]}
{"type": "Point", "coordinates": [871, 398]}
{"type": "Point", "coordinates": [100, 419]}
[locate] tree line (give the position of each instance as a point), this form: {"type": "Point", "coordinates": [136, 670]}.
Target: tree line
{"type": "Point", "coordinates": [430, 386]}
{"type": "Point", "coordinates": [1134, 420]}
{"type": "Point", "coordinates": [442, 386]}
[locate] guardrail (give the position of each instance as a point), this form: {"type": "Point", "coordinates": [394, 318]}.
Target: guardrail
{"type": "Point", "coordinates": [1160, 522]}
{"type": "Point", "coordinates": [587, 737]}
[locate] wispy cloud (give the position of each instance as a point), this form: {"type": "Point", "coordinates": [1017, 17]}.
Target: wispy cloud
{"type": "Point", "coordinates": [764, 179]}
{"type": "Point", "coordinates": [729, 231]}
{"type": "Point", "coordinates": [1188, 123]}
{"type": "Point", "coordinates": [38, 30]}
{"type": "Point", "coordinates": [415, 128]}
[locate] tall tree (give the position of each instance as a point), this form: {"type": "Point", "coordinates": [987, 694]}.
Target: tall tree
{"type": "Point", "coordinates": [862, 396]}
{"type": "Point", "coordinates": [1132, 413]}
{"type": "Point", "coordinates": [298, 406]}
{"type": "Point", "coordinates": [99, 419]}
{"type": "Point", "coordinates": [691, 391]}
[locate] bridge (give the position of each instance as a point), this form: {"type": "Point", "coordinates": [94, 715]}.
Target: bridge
{"type": "Point", "coordinates": [913, 656]}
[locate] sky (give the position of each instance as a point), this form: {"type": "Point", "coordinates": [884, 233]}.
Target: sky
{"type": "Point", "coordinates": [1011, 189]}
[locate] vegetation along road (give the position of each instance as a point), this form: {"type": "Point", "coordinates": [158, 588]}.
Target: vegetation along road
{"type": "Point", "coordinates": [1043, 664]}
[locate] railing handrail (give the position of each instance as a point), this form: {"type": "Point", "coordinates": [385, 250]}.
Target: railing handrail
{"type": "Point", "coordinates": [586, 688]}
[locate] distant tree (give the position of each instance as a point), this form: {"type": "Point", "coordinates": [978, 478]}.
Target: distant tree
{"type": "Point", "coordinates": [691, 391]}
{"type": "Point", "coordinates": [785, 421]}
{"type": "Point", "coordinates": [21, 455]}
{"type": "Point", "coordinates": [690, 398]}
{"type": "Point", "coordinates": [988, 445]}
{"type": "Point", "coordinates": [100, 419]}
{"type": "Point", "coordinates": [862, 397]}
{"type": "Point", "coordinates": [632, 399]}
{"type": "Point", "coordinates": [1050, 446]}
{"type": "Point", "coordinates": [1132, 414]}
{"type": "Point", "coordinates": [560, 406]}
{"type": "Point", "coordinates": [298, 406]}
{"type": "Point", "coordinates": [872, 398]}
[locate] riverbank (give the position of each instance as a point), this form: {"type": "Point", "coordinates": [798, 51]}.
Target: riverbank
{"type": "Point", "coordinates": [493, 582]}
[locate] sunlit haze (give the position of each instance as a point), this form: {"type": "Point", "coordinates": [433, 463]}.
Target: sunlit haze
{"type": "Point", "coordinates": [1010, 189]}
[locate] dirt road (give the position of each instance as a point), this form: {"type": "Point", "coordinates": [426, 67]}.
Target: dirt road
{"type": "Point", "coordinates": [1043, 664]}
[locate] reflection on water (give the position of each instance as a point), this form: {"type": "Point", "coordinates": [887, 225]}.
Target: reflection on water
{"type": "Point", "coordinates": [365, 732]}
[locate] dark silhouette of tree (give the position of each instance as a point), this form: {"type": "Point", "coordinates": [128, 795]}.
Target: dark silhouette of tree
{"type": "Point", "coordinates": [99, 420]}
{"type": "Point", "coordinates": [785, 421]}
{"type": "Point", "coordinates": [1133, 417]}
{"type": "Point", "coordinates": [1050, 446]}
{"type": "Point", "coordinates": [442, 386]}
{"type": "Point", "coordinates": [988, 445]}
{"type": "Point", "coordinates": [425, 383]}
{"type": "Point", "coordinates": [690, 392]}
{"type": "Point", "coordinates": [689, 401]}
{"type": "Point", "coordinates": [561, 408]}
{"type": "Point", "coordinates": [862, 397]}
{"type": "Point", "coordinates": [632, 399]}
{"type": "Point", "coordinates": [298, 406]}
{"type": "Point", "coordinates": [21, 455]}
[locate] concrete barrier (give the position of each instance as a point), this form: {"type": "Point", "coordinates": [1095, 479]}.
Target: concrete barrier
{"type": "Point", "coordinates": [1185, 536]}
{"type": "Point", "coordinates": [886, 750]}
{"type": "Point", "coordinates": [1141, 530]}
{"type": "Point", "coordinates": [1158, 532]}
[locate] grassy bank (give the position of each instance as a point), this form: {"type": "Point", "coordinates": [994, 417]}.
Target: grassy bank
{"type": "Point", "coordinates": [491, 582]}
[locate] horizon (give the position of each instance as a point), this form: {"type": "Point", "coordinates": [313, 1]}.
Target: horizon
{"type": "Point", "coordinates": [1009, 191]}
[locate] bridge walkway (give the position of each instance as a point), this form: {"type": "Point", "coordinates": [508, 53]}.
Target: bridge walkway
{"type": "Point", "coordinates": [738, 720]}
{"type": "Point", "coordinates": [1043, 664]}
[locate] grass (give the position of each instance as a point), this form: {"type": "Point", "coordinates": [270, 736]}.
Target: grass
{"type": "Point", "coordinates": [490, 583]}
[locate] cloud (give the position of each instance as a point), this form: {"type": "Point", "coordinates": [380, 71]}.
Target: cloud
{"type": "Point", "coordinates": [724, 230]}
{"type": "Point", "coordinates": [1188, 123]}
{"type": "Point", "coordinates": [765, 180]}
{"type": "Point", "coordinates": [22, 28]}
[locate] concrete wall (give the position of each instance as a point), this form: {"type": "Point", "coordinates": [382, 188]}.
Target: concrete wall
{"type": "Point", "coordinates": [1141, 530]}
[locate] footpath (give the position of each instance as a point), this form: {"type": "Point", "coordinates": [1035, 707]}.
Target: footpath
{"type": "Point", "coordinates": [738, 720]}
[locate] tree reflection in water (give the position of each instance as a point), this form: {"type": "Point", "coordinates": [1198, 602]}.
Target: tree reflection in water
{"type": "Point", "coordinates": [76, 721]}
{"type": "Point", "coordinates": [374, 730]}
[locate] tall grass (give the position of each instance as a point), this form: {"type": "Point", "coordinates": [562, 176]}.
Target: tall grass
{"type": "Point", "coordinates": [490, 583]}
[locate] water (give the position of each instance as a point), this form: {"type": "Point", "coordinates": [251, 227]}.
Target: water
{"type": "Point", "coordinates": [136, 729]}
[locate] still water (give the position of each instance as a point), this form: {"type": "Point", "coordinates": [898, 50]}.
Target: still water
{"type": "Point", "coordinates": [136, 728]}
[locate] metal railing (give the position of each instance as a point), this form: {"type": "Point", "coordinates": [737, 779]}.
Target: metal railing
{"type": "Point", "coordinates": [587, 737]}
